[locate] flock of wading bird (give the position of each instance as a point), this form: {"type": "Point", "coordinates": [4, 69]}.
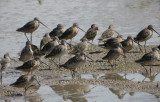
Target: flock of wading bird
{"type": "Point", "coordinates": [53, 45]}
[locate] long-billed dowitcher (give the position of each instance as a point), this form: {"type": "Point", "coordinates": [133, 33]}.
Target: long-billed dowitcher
{"type": "Point", "coordinates": [58, 31]}
{"type": "Point", "coordinates": [91, 33]}
{"type": "Point", "coordinates": [77, 61]}
{"type": "Point", "coordinates": [149, 58]}
{"type": "Point", "coordinates": [110, 43]}
{"type": "Point", "coordinates": [45, 40]}
{"type": "Point", "coordinates": [58, 51]}
{"type": "Point", "coordinates": [5, 62]}
{"type": "Point", "coordinates": [50, 45]}
{"type": "Point", "coordinates": [26, 52]}
{"type": "Point", "coordinates": [114, 53]}
{"type": "Point", "coordinates": [109, 33]}
{"type": "Point", "coordinates": [145, 35]}
{"type": "Point", "coordinates": [29, 66]}
{"type": "Point", "coordinates": [70, 32]}
{"type": "Point", "coordinates": [30, 27]}
{"type": "Point", "coordinates": [80, 47]}
{"type": "Point", "coordinates": [36, 51]}
{"type": "Point", "coordinates": [24, 81]}
{"type": "Point", "coordinates": [127, 44]}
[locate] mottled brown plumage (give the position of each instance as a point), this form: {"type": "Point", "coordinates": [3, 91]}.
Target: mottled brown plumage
{"type": "Point", "coordinates": [58, 31]}
{"type": "Point", "coordinates": [29, 66]}
{"type": "Point", "coordinates": [110, 43]}
{"type": "Point", "coordinates": [45, 40]}
{"type": "Point", "coordinates": [108, 34]}
{"type": "Point", "coordinates": [77, 61]}
{"type": "Point", "coordinates": [127, 44]}
{"type": "Point", "coordinates": [70, 32]}
{"type": "Point", "coordinates": [30, 27]}
{"type": "Point", "coordinates": [91, 33]}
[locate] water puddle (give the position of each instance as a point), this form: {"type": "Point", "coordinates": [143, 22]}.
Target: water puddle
{"type": "Point", "coordinates": [84, 93]}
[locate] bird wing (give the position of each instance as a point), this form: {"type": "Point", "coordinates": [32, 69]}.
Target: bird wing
{"type": "Point", "coordinates": [107, 34]}
{"type": "Point", "coordinates": [67, 33]}
{"type": "Point", "coordinates": [20, 80]}
{"type": "Point", "coordinates": [147, 56]}
{"type": "Point", "coordinates": [143, 34]}
{"type": "Point", "coordinates": [29, 25]}
{"type": "Point", "coordinates": [46, 47]}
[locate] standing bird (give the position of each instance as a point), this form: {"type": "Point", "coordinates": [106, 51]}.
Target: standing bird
{"type": "Point", "coordinates": [149, 58]}
{"type": "Point", "coordinates": [50, 45]}
{"type": "Point", "coordinates": [110, 43]}
{"type": "Point", "coordinates": [45, 40]}
{"type": "Point", "coordinates": [29, 66]}
{"type": "Point", "coordinates": [80, 47]}
{"type": "Point", "coordinates": [5, 62]}
{"type": "Point", "coordinates": [58, 31]}
{"type": "Point", "coordinates": [24, 81]}
{"type": "Point", "coordinates": [113, 54]}
{"type": "Point", "coordinates": [127, 44]}
{"type": "Point", "coordinates": [36, 51]}
{"type": "Point", "coordinates": [77, 61]}
{"type": "Point", "coordinates": [70, 32]}
{"type": "Point", "coordinates": [91, 33]}
{"type": "Point", "coordinates": [109, 33]}
{"type": "Point", "coordinates": [30, 27]}
{"type": "Point", "coordinates": [58, 51]}
{"type": "Point", "coordinates": [145, 35]}
{"type": "Point", "coordinates": [26, 53]}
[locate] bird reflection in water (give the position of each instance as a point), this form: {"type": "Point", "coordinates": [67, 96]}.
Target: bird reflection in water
{"type": "Point", "coordinates": [73, 92]}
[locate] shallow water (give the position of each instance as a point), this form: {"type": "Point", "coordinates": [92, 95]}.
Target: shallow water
{"type": "Point", "coordinates": [84, 93]}
{"type": "Point", "coordinates": [128, 17]}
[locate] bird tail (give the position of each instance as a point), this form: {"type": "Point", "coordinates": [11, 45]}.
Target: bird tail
{"type": "Point", "coordinates": [19, 29]}
{"type": "Point", "coordinates": [12, 85]}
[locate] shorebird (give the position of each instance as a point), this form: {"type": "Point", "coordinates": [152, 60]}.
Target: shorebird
{"type": "Point", "coordinates": [30, 27]}
{"type": "Point", "coordinates": [109, 33]}
{"type": "Point", "coordinates": [58, 31]}
{"type": "Point", "coordinates": [45, 40]}
{"type": "Point", "coordinates": [145, 35]}
{"type": "Point", "coordinates": [58, 51]}
{"type": "Point", "coordinates": [110, 43]}
{"type": "Point", "coordinates": [5, 62]}
{"type": "Point", "coordinates": [91, 33]}
{"type": "Point", "coordinates": [80, 47]}
{"type": "Point", "coordinates": [70, 32]}
{"type": "Point", "coordinates": [149, 58]}
{"type": "Point", "coordinates": [77, 61]}
{"type": "Point", "coordinates": [36, 51]}
{"type": "Point", "coordinates": [50, 45]}
{"type": "Point", "coordinates": [24, 81]}
{"type": "Point", "coordinates": [26, 52]}
{"type": "Point", "coordinates": [29, 66]}
{"type": "Point", "coordinates": [127, 44]}
{"type": "Point", "coordinates": [114, 53]}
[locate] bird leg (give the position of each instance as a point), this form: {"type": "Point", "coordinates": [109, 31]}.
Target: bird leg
{"type": "Point", "coordinates": [1, 77]}
{"type": "Point", "coordinates": [110, 64]}
{"type": "Point", "coordinates": [31, 37]}
{"type": "Point", "coordinates": [73, 74]}
{"type": "Point", "coordinates": [26, 36]}
{"type": "Point", "coordinates": [139, 47]}
{"type": "Point", "coordinates": [150, 70]}
{"type": "Point", "coordinates": [25, 89]}
{"type": "Point", "coordinates": [145, 69]}
{"type": "Point", "coordinates": [114, 64]}
{"type": "Point", "coordinates": [145, 46]}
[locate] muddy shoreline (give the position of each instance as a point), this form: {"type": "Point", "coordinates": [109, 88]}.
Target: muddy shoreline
{"type": "Point", "coordinates": [59, 76]}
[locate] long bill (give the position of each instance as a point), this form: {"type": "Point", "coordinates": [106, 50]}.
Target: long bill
{"type": "Point", "coordinates": [45, 63]}
{"type": "Point", "coordinates": [37, 81]}
{"type": "Point", "coordinates": [81, 29]}
{"type": "Point", "coordinates": [89, 57]}
{"type": "Point", "coordinates": [43, 24]}
{"type": "Point", "coordinates": [157, 32]}
{"type": "Point", "coordinates": [137, 43]}
{"type": "Point", "coordinates": [117, 32]}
